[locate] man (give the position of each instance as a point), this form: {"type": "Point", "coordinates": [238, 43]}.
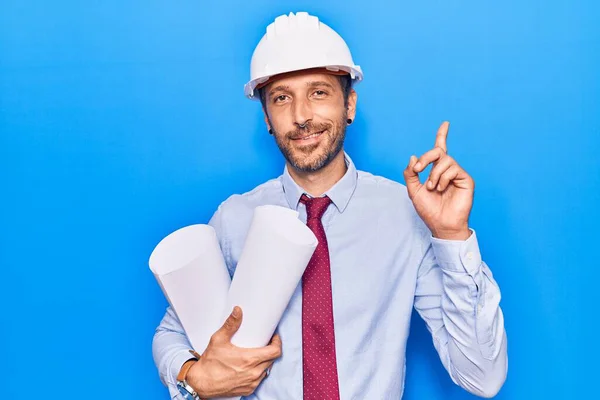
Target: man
{"type": "Point", "coordinates": [383, 248]}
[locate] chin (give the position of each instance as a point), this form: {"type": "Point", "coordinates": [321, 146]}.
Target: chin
{"type": "Point", "coordinates": [312, 161]}
{"type": "Point", "coordinates": [313, 157]}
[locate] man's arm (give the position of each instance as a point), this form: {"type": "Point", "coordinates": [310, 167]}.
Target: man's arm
{"type": "Point", "coordinates": [456, 294]}
{"type": "Point", "coordinates": [458, 298]}
{"type": "Point", "coordinates": [170, 349]}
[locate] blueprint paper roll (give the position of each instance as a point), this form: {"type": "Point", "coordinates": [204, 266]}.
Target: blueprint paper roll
{"type": "Point", "coordinates": [276, 252]}
{"type": "Point", "coordinates": [190, 269]}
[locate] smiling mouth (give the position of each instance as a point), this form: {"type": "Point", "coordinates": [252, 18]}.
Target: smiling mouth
{"type": "Point", "coordinates": [314, 135]}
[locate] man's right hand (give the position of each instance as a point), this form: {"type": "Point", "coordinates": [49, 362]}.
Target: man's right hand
{"type": "Point", "coordinates": [225, 370]}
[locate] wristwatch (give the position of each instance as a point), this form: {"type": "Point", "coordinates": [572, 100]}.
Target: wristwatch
{"type": "Point", "coordinates": [187, 392]}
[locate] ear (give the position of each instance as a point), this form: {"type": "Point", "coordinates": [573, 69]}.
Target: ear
{"type": "Point", "coordinates": [267, 120]}
{"type": "Point", "coordinates": [352, 98]}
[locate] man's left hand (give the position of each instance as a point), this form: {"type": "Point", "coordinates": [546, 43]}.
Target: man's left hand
{"type": "Point", "coordinates": [444, 202]}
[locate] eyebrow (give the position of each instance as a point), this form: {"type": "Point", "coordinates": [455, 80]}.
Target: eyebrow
{"type": "Point", "coordinates": [320, 83]}
{"type": "Point", "coordinates": [283, 88]}
{"type": "Point", "coordinates": [286, 88]}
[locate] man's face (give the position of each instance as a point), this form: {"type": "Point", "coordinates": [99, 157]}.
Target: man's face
{"type": "Point", "coordinates": [307, 115]}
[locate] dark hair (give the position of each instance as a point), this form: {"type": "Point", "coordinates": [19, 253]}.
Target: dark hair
{"type": "Point", "coordinates": [345, 83]}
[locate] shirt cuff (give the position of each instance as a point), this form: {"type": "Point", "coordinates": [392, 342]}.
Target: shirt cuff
{"type": "Point", "coordinates": [458, 255]}
{"type": "Point", "coordinates": [178, 361]}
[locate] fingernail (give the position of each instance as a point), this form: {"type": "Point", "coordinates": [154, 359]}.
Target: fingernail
{"type": "Point", "coordinates": [418, 165]}
{"type": "Point", "coordinates": [430, 185]}
{"type": "Point", "coordinates": [236, 312]}
{"type": "Point", "coordinates": [439, 188]}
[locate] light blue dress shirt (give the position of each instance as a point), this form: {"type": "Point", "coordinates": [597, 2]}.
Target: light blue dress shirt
{"type": "Point", "coordinates": [384, 262]}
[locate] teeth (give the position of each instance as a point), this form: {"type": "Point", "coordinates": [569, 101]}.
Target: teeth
{"type": "Point", "coordinates": [311, 136]}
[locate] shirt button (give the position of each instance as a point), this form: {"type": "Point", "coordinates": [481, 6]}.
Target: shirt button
{"type": "Point", "coordinates": [470, 255]}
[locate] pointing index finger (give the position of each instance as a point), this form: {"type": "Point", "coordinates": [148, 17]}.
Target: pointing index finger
{"type": "Point", "coordinates": [442, 134]}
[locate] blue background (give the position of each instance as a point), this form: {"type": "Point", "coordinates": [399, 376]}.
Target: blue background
{"type": "Point", "coordinates": [123, 121]}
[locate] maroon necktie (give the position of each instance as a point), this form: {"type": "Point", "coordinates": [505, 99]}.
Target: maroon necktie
{"type": "Point", "coordinates": [318, 339]}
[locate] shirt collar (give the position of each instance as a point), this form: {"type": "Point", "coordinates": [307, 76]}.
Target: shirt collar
{"type": "Point", "coordinates": [340, 193]}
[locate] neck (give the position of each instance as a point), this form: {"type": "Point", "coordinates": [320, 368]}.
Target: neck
{"type": "Point", "coordinates": [318, 182]}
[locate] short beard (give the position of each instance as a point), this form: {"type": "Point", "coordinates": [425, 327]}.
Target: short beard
{"type": "Point", "coordinates": [336, 131]}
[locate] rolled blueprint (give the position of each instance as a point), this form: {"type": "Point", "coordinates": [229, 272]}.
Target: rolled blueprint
{"type": "Point", "coordinates": [190, 269]}
{"type": "Point", "coordinates": [276, 252]}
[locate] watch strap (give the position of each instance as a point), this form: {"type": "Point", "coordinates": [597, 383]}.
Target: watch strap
{"type": "Point", "coordinates": [185, 368]}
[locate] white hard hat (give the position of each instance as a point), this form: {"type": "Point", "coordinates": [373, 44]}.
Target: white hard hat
{"type": "Point", "coordinates": [296, 42]}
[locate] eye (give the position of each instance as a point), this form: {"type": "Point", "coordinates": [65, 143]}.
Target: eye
{"type": "Point", "coordinates": [280, 98]}
{"type": "Point", "coordinates": [320, 93]}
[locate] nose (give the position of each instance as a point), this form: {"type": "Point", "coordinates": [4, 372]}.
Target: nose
{"type": "Point", "coordinates": [303, 113]}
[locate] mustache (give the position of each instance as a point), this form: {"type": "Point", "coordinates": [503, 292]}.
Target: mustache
{"type": "Point", "coordinates": [309, 129]}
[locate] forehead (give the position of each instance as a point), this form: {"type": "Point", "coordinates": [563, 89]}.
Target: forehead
{"type": "Point", "coordinates": [301, 79]}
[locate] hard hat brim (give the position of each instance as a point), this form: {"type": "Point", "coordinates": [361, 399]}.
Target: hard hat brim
{"type": "Point", "coordinates": [251, 92]}
{"type": "Point", "coordinates": [321, 70]}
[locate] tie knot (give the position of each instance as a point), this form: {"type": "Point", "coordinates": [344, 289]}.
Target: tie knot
{"type": "Point", "coordinates": [315, 206]}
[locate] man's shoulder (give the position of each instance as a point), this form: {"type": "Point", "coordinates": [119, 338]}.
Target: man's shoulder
{"type": "Point", "coordinates": [268, 192]}
{"type": "Point", "coordinates": [381, 187]}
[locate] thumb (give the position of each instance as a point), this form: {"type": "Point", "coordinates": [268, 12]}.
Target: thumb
{"type": "Point", "coordinates": [413, 184]}
{"type": "Point", "coordinates": [231, 324]}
